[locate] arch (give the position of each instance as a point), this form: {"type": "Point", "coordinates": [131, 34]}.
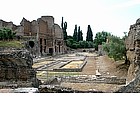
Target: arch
{"type": "Point", "coordinates": [31, 44]}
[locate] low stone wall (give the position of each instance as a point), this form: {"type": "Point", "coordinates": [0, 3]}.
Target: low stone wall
{"type": "Point", "coordinates": [47, 65]}
{"type": "Point", "coordinates": [80, 79]}
{"type": "Point", "coordinates": [106, 80]}
{"type": "Point", "coordinates": [71, 69]}
{"type": "Point", "coordinates": [59, 89]}
{"type": "Point", "coordinates": [16, 68]}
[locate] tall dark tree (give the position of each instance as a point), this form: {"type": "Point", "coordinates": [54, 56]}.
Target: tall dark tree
{"type": "Point", "coordinates": [89, 36]}
{"type": "Point", "coordinates": [80, 34]}
{"type": "Point", "coordinates": [75, 33]}
{"type": "Point", "coordinates": [64, 28]}
{"type": "Point", "coordinates": [62, 23]}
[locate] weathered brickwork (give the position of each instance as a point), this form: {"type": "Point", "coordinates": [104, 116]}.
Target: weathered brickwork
{"type": "Point", "coordinates": [133, 50]}
{"type": "Point", "coordinates": [133, 55]}
{"type": "Point", "coordinates": [16, 67]}
{"type": "Point", "coordinates": [43, 36]}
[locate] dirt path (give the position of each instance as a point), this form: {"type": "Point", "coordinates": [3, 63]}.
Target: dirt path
{"type": "Point", "coordinates": [105, 65]}
{"type": "Point", "coordinates": [90, 66]}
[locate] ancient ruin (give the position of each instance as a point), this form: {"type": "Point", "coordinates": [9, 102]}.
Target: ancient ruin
{"type": "Point", "coordinates": [133, 50]}
{"type": "Point", "coordinates": [133, 55]}
{"type": "Point", "coordinates": [42, 36]}
{"type": "Point", "coordinates": [16, 69]}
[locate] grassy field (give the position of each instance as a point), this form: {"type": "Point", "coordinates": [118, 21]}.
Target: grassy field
{"type": "Point", "coordinates": [13, 43]}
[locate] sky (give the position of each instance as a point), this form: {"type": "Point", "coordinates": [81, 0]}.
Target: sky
{"type": "Point", "coordinates": [114, 16]}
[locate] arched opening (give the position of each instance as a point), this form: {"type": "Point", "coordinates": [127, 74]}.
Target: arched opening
{"type": "Point", "coordinates": [51, 51]}
{"type": "Point", "coordinates": [31, 44]}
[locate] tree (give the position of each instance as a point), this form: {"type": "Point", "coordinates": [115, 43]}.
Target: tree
{"type": "Point", "coordinates": [100, 37]}
{"type": "Point", "coordinates": [80, 35]}
{"type": "Point", "coordinates": [62, 23]}
{"type": "Point", "coordinates": [83, 44]}
{"type": "Point", "coordinates": [75, 33]}
{"type": "Point", "coordinates": [64, 28]}
{"type": "Point", "coordinates": [6, 34]}
{"type": "Point", "coordinates": [115, 48]}
{"type": "Point", "coordinates": [89, 36]}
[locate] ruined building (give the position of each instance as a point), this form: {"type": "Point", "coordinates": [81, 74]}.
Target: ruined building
{"type": "Point", "coordinates": [133, 55]}
{"type": "Point", "coordinates": [42, 36]}
{"type": "Point", "coordinates": [133, 50]}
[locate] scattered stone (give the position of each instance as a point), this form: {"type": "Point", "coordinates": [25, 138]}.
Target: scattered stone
{"type": "Point", "coordinates": [26, 90]}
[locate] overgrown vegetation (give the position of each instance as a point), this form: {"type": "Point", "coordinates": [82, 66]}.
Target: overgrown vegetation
{"type": "Point", "coordinates": [6, 34]}
{"type": "Point", "coordinates": [70, 42]}
{"type": "Point", "coordinates": [100, 38]}
{"type": "Point", "coordinates": [7, 39]}
{"type": "Point", "coordinates": [115, 48]}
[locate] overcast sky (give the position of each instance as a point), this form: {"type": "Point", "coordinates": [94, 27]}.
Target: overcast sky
{"type": "Point", "coordinates": [113, 16]}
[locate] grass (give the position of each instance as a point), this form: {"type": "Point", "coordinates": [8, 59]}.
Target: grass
{"type": "Point", "coordinates": [13, 43]}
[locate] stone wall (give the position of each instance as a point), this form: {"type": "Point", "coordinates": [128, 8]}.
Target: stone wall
{"type": "Point", "coordinates": [48, 35]}
{"type": "Point", "coordinates": [86, 79]}
{"type": "Point", "coordinates": [7, 24]}
{"type": "Point", "coordinates": [27, 27]}
{"type": "Point", "coordinates": [16, 68]}
{"type": "Point", "coordinates": [133, 50]}
{"type": "Point", "coordinates": [60, 47]}
{"type": "Point", "coordinates": [133, 55]}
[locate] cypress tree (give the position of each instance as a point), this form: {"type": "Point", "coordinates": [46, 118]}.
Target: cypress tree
{"type": "Point", "coordinates": [89, 36]}
{"type": "Point", "coordinates": [78, 36]}
{"type": "Point", "coordinates": [81, 35]}
{"type": "Point", "coordinates": [75, 33]}
{"type": "Point", "coordinates": [62, 23]}
{"type": "Point", "coordinates": [64, 28]}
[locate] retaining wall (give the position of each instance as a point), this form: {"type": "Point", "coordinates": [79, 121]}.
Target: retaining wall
{"type": "Point", "coordinates": [106, 80]}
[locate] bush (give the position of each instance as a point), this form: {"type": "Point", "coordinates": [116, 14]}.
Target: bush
{"type": "Point", "coordinates": [115, 48]}
{"type": "Point", "coordinates": [6, 34]}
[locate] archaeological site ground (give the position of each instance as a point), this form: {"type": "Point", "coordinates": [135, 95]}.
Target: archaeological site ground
{"type": "Point", "coordinates": [43, 63]}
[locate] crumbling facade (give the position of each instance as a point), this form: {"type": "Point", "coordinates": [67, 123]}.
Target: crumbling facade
{"type": "Point", "coordinates": [16, 69]}
{"type": "Point", "coordinates": [42, 36]}
{"type": "Point", "coordinates": [133, 55]}
{"type": "Point", "coordinates": [133, 50]}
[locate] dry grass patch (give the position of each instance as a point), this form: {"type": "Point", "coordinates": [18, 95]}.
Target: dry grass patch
{"type": "Point", "coordinates": [73, 64]}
